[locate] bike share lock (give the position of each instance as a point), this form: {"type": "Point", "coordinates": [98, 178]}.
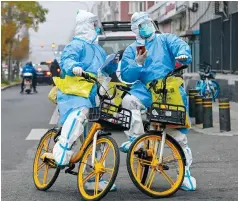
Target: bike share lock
{"type": "Point", "coordinates": [207, 112]}
{"type": "Point", "coordinates": [224, 115]}
{"type": "Point", "coordinates": [198, 109]}
{"type": "Point", "coordinates": [192, 93]}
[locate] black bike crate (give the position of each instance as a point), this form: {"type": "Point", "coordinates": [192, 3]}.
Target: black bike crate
{"type": "Point", "coordinates": [111, 117]}
{"type": "Point", "coordinates": [168, 114]}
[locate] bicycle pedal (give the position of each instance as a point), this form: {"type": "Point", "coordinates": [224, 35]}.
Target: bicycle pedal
{"type": "Point", "coordinates": [50, 162]}
{"type": "Point", "coordinates": [69, 171]}
{"type": "Point", "coordinates": [165, 167]}
{"type": "Point", "coordinates": [71, 166]}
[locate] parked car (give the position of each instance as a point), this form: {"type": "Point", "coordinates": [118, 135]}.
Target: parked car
{"type": "Point", "coordinates": [43, 74]}
{"type": "Point", "coordinates": [116, 36]}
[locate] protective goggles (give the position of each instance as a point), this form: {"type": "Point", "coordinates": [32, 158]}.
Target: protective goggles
{"type": "Point", "coordinates": [146, 24]}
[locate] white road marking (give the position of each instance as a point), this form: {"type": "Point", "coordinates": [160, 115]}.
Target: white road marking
{"type": "Point", "coordinates": [36, 134]}
{"type": "Point", "coordinates": [55, 117]}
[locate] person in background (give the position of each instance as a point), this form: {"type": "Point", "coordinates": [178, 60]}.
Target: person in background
{"type": "Point", "coordinates": [28, 68]}
{"type": "Point", "coordinates": [55, 69]}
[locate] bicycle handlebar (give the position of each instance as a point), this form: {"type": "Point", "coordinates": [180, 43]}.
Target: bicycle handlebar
{"type": "Point", "coordinates": [176, 70]}
{"type": "Point", "coordinates": [171, 73]}
{"type": "Point", "coordinates": [105, 97]}
{"type": "Point", "coordinates": [206, 67]}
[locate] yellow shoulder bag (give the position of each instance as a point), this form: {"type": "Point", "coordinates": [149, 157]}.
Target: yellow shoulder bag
{"type": "Point", "coordinates": [173, 95]}
{"type": "Point", "coordinates": [77, 86]}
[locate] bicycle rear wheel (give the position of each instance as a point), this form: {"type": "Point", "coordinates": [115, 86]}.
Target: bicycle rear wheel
{"type": "Point", "coordinates": [105, 168]}
{"type": "Point", "coordinates": [154, 179]}
{"type": "Point", "coordinates": [45, 171]}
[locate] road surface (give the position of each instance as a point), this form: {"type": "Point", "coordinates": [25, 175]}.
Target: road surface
{"type": "Point", "coordinates": [26, 117]}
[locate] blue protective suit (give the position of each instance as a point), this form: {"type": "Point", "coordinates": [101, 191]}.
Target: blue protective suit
{"type": "Point", "coordinates": [29, 69]}
{"type": "Point", "coordinates": [162, 50]}
{"type": "Point", "coordinates": [90, 57]}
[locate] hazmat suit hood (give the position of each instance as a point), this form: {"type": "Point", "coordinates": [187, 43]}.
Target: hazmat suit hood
{"type": "Point", "coordinates": [85, 26]}
{"type": "Point", "coordinates": [136, 19]}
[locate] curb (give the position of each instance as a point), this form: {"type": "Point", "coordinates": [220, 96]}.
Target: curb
{"type": "Point", "coordinates": [211, 131]}
{"type": "Point", "coordinates": [9, 86]}
{"type": "Point", "coordinates": [208, 131]}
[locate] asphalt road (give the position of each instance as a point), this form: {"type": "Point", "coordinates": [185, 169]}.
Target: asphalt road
{"type": "Point", "coordinates": [215, 158]}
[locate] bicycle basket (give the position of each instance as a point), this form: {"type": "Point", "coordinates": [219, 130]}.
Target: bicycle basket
{"type": "Point", "coordinates": [168, 114]}
{"type": "Point", "coordinates": [111, 117]}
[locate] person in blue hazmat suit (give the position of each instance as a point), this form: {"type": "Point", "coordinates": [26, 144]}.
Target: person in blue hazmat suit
{"type": "Point", "coordinates": [82, 54]}
{"type": "Point", "coordinates": [162, 51]}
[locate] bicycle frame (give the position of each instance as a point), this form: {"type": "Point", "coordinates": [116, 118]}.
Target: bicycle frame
{"type": "Point", "coordinates": [205, 85]}
{"type": "Point", "coordinates": [161, 126]}
{"type": "Point", "coordinates": [95, 127]}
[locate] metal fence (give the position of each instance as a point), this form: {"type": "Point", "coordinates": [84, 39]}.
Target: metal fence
{"type": "Point", "coordinates": [219, 44]}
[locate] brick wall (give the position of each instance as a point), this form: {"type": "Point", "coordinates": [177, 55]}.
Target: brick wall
{"type": "Point", "coordinates": [150, 4]}
{"type": "Point", "coordinates": [125, 16]}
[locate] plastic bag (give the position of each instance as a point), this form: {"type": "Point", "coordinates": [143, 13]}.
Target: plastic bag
{"type": "Point", "coordinates": [77, 86]}
{"type": "Point", "coordinates": [173, 96]}
{"type": "Point", "coordinates": [53, 95]}
{"type": "Point", "coordinates": [117, 100]}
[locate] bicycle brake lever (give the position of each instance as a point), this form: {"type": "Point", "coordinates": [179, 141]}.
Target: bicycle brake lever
{"type": "Point", "coordinates": [152, 84]}
{"type": "Point", "coordinates": [88, 80]}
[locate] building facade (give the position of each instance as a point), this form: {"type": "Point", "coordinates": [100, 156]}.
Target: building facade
{"type": "Point", "coordinates": [183, 18]}
{"type": "Point", "coordinates": [178, 17]}
{"type": "Point", "coordinates": [120, 10]}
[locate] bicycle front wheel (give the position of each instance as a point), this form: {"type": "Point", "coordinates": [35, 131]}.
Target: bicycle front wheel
{"type": "Point", "coordinates": [156, 179]}
{"type": "Point", "coordinates": [95, 181]}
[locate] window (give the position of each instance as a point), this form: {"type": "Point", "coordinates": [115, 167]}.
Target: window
{"type": "Point", "coordinates": [142, 6]}
{"type": "Point", "coordinates": [136, 6]}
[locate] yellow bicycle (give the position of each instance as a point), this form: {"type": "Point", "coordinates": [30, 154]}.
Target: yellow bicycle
{"type": "Point", "coordinates": [106, 117]}
{"type": "Point", "coordinates": [155, 160]}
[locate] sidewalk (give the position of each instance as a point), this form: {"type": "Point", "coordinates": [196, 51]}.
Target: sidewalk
{"type": "Point", "coordinates": [231, 78]}
{"type": "Point", "coordinates": [215, 130]}
{"type": "Point", "coordinates": [10, 85]}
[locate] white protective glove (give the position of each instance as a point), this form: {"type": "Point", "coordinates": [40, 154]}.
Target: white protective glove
{"type": "Point", "coordinates": [77, 71]}
{"type": "Point", "coordinates": [182, 58]}
{"type": "Point", "coordinates": [140, 58]}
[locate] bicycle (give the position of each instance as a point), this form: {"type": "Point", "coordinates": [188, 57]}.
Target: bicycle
{"type": "Point", "coordinates": [107, 117]}
{"type": "Point", "coordinates": [144, 161]}
{"type": "Point", "coordinates": [207, 88]}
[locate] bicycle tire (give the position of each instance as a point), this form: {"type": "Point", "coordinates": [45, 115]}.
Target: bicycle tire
{"type": "Point", "coordinates": [134, 180]}
{"type": "Point", "coordinates": [57, 170]}
{"type": "Point", "coordinates": [81, 190]}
